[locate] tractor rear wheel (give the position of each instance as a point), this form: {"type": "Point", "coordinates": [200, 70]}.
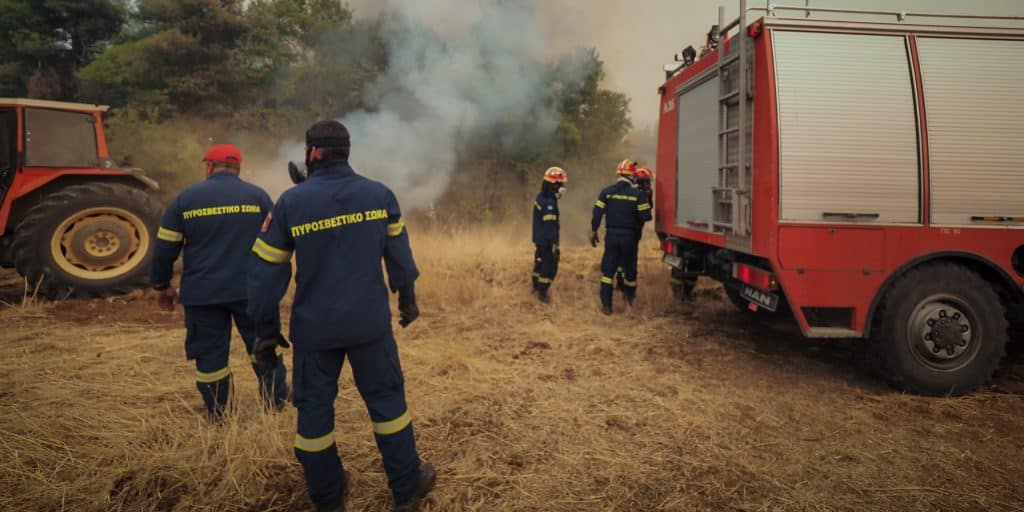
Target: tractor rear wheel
{"type": "Point", "coordinates": [87, 240]}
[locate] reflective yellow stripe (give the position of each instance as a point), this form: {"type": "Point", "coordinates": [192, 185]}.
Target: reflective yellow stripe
{"type": "Point", "coordinates": [600, 204]}
{"type": "Point", "coordinates": [643, 207]}
{"type": "Point", "coordinates": [211, 377]}
{"type": "Point", "coordinates": [535, 203]}
{"type": "Point", "coordinates": [550, 217]}
{"type": "Point", "coordinates": [631, 284]}
{"type": "Point", "coordinates": [544, 280]}
{"type": "Point", "coordinates": [396, 228]}
{"type": "Point", "coordinates": [270, 253]}
{"type": "Point", "coordinates": [386, 428]}
{"type": "Point", "coordinates": [606, 280]}
{"type": "Point", "coordinates": [317, 444]}
{"type": "Point", "coordinates": [169, 235]}
{"type": "Point", "coordinates": [279, 350]}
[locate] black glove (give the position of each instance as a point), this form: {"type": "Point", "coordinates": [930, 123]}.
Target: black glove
{"type": "Point", "coordinates": [594, 240]}
{"type": "Point", "coordinates": [264, 351]}
{"type": "Point", "coordinates": [408, 312]}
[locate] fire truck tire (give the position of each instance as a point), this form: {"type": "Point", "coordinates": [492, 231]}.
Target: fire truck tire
{"type": "Point", "coordinates": [87, 240]}
{"type": "Point", "coordinates": [943, 331]}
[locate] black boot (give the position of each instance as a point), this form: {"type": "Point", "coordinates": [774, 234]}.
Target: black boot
{"type": "Point", "coordinates": [427, 479]}
{"type": "Point", "coordinates": [606, 309]}
{"type": "Point", "coordinates": [340, 506]}
{"type": "Point", "coordinates": [542, 294]}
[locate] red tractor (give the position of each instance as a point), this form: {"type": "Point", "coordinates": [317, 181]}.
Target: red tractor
{"type": "Point", "coordinates": [71, 221]}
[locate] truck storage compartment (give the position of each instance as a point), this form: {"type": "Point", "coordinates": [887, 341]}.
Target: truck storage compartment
{"type": "Point", "coordinates": [697, 155]}
{"type": "Point", "coordinates": [975, 129]}
{"type": "Point", "coordinates": [848, 149]}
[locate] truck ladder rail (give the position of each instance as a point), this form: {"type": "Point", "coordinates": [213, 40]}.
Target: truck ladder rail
{"type": "Point", "coordinates": [900, 15]}
{"type": "Point", "coordinates": [733, 176]}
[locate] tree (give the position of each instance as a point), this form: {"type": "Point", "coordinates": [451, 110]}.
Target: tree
{"type": "Point", "coordinates": [44, 42]}
{"type": "Point", "coordinates": [179, 61]}
{"type": "Point", "coordinates": [591, 117]}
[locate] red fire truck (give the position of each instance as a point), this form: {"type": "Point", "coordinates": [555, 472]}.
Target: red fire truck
{"type": "Point", "coordinates": [864, 174]}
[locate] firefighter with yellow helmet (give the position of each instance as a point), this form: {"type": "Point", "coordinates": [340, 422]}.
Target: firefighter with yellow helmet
{"type": "Point", "coordinates": [546, 230]}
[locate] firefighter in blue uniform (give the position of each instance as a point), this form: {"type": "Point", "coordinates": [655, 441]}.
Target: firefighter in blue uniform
{"type": "Point", "coordinates": [215, 222]}
{"type": "Point", "coordinates": [626, 210]}
{"type": "Point", "coordinates": [545, 231]}
{"type": "Point", "coordinates": [340, 225]}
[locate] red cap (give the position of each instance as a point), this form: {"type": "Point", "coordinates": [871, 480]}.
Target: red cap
{"type": "Point", "coordinates": [223, 154]}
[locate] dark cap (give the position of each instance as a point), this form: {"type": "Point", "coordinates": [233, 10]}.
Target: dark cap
{"type": "Point", "coordinates": [328, 134]}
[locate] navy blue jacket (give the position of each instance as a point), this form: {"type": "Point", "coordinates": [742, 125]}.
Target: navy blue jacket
{"type": "Point", "coordinates": [625, 207]}
{"type": "Point", "coordinates": [215, 221]}
{"type": "Point", "coordinates": [545, 219]}
{"type": "Point", "coordinates": [339, 225]}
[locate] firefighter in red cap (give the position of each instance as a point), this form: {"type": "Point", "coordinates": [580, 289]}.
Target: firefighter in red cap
{"type": "Point", "coordinates": [625, 210]}
{"type": "Point", "coordinates": [545, 230]}
{"type": "Point", "coordinates": [215, 222]}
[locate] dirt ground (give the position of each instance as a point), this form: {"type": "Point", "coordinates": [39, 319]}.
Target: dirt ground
{"type": "Point", "coordinates": [521, 406]}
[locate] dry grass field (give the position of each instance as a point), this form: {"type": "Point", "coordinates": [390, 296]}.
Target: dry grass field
{"type": "Point", "coordinates": [521, 406]}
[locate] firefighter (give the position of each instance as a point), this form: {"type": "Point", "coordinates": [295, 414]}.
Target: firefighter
{"type": "Point", "coordinates": [642, 181]}
{"type": "Point", "coordinates": [626, 210]}
{"type": "Point", "coordinates": [214, 222]}
{"type": "Point", "coordinates": [545, 230]}
{"type": "Point", "coordinates": [340, 225]}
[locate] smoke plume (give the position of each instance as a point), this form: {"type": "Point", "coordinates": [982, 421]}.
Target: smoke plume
{"type": "Point", "coordinates": [457, 70]}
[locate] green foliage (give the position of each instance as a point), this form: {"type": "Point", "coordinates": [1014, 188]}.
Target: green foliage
{"type": "Point", "coordinates": [44, 42]}
{"type": "Point", "coordinates": [183, 73]}
{"type": "Point", "coordinates": [178, 64]}
{"type": "Point", "coordinates": [169, 151]}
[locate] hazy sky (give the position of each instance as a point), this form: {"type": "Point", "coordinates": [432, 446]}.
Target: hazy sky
{"type": "Point", "coordinates": [636, 38]}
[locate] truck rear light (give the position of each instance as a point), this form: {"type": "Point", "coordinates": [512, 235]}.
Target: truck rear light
{"type": "Point", "coordinates": [668, 246]}
{"type": "Point", "coordinates": [755, 277]}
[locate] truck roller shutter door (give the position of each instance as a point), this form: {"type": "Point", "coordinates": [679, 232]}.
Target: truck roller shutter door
{"type": "Point", "coordinates": [848, 149]}
{"type": "Point", "coordinates": [973, 91]}
{"type": "Point", "coordinates": [697, 155]}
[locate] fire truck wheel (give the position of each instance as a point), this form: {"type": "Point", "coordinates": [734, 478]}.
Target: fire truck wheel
{"type": "Point", "coordinates": [87, 240]}
{"type": "Point", "coordinates": [943, 331]}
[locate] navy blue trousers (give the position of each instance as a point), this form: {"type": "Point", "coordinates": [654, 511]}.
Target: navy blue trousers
{"type": "Point", "coordinates": [620, 250]}
{"type": "Point", "coordinates": [545, 267]}
{"type": "Point", "coordinates": [378, 377]}
{"type": "Point", "coordinates": [208, 342]}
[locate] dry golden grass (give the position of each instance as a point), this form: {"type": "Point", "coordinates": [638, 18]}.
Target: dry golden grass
{"type": "Point", "coordinates": [521, 406]}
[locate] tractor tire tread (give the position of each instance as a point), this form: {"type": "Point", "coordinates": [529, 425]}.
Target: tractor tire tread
{"type": "Point", "coordinates": [35, 268]}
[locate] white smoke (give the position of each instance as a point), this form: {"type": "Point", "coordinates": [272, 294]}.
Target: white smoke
{"type": "Point", "coordinates": [457, 69]}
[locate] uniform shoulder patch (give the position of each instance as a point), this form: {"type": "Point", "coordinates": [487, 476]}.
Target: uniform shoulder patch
{"type": "Point", "coordinates": [266, 222]}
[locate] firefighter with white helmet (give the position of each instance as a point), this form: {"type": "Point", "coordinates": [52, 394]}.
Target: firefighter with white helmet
{"type": "Point", "coordinates": [642, 177]}
{"type": "Point", "coordinates": [625, 209]}
{"type": "Point", "coordinates": [545, 230]}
